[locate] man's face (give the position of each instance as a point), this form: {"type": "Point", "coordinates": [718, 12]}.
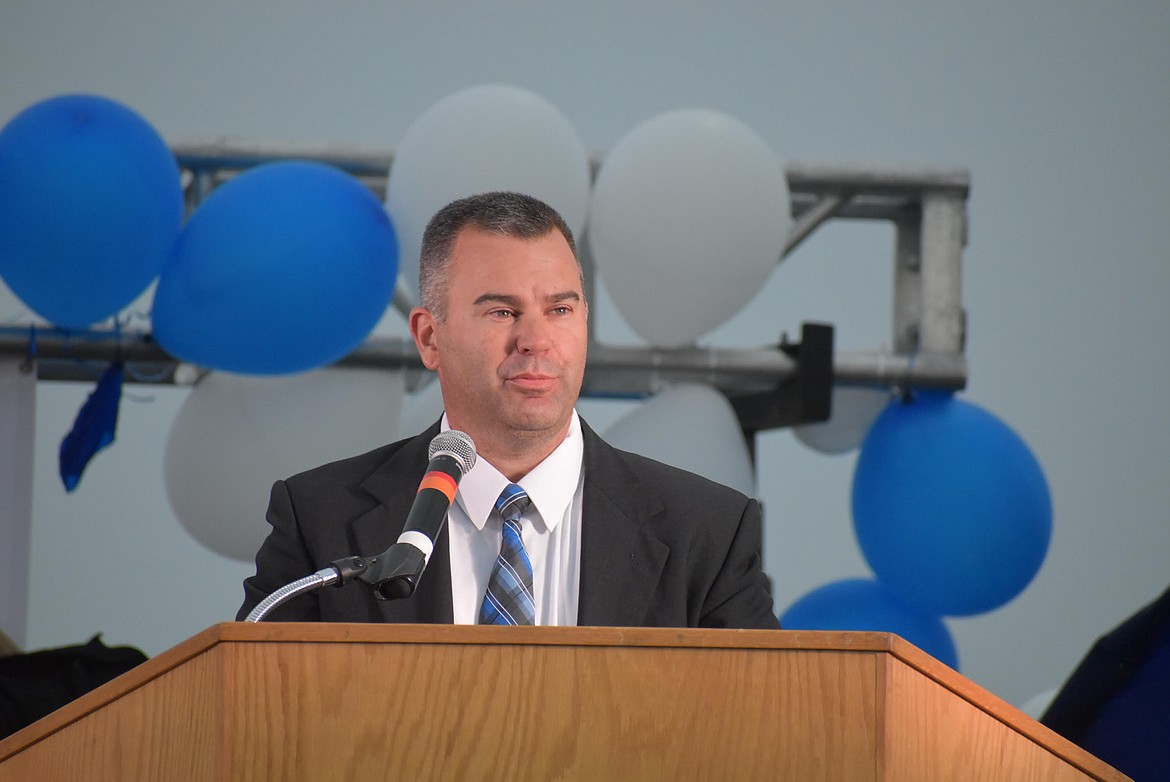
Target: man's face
{"type": "Point", "coordinates": [511, 351]}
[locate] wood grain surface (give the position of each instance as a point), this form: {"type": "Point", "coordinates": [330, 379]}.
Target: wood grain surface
{"type": "Point", "coordinates": [336, 701]}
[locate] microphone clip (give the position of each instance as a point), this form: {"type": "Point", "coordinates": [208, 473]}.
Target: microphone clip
{"type": "Point", "coordinates": [394, 575]}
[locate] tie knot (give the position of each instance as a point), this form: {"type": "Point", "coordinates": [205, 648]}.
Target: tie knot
{"type": "Point", "coordinates": [512, 502]}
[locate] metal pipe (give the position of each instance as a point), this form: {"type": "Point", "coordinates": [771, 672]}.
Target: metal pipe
{"type": "Point", "coordinates": [610, 370]}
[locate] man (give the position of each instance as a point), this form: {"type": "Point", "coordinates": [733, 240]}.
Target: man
{"type": "Point", "coordinates": [601, 536]}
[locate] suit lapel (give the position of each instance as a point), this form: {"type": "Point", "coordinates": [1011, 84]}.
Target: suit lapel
{"type": "Point", "coordinates": [394, 486]}
{"type": "Point", "coordinates": [621, 560]}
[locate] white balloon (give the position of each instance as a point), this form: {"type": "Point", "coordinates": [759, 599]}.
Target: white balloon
{"type": "Point", "coordinates": [234, 435]}
{"type": "Point", "coordinates": [689, 216]}
{"type": "Point", "coordinates": [691, 426]}
{"type": "Point", "coordinates": [490, 137]}
{"type": "Point", "coordinates": [854, 411]}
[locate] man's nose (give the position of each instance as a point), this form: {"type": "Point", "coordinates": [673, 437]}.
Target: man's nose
{"type": "Point", "coordinates": [533, 335]}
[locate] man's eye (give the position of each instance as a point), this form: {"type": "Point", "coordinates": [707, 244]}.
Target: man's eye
{"type": "Point", "coordinates": [501, 314]}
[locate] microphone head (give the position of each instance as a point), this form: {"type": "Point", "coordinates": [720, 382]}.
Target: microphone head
{"type": "Point", "coordinates": [457, 445]}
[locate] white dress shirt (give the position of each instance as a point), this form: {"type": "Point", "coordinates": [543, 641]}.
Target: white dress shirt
{"type": "Point", "coordinates": [551, 531]}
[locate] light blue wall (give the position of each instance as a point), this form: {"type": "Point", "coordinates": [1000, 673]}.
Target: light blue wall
{"type": "Point", "coordinates": [1060, 110]}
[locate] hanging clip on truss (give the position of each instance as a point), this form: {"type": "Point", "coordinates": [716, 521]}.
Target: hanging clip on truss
{"type": "Point", "coordinates": [805, 398]}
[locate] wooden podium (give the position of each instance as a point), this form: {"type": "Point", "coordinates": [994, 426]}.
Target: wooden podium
{"type": "Point", "coordinates": [329, 702]}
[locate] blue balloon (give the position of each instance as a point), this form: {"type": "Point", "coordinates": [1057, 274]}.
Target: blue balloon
{"type": "Point", "coordinates": [90, 207]}
{"type": "Point", "coordinates": [284, 268]}
{"type": "Point", "coordinates": [867, 605]}
{"type": "Point", "coordinates": [950, 508]}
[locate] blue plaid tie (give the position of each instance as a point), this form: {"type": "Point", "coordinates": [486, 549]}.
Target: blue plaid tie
{"type": "Point", "coordinates": [508, 600]}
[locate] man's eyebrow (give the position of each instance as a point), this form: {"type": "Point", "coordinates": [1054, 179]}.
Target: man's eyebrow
{"type": "Point", "coordinates": [497, 298]}
{"type": "Point", "coordinates": [514, 301]}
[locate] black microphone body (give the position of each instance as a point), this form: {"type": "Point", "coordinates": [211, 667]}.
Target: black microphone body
{"type": "Point", "coordinates": [395, 573]}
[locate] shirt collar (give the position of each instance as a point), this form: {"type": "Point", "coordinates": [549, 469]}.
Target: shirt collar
{"type": "Point", "coordinates": [550, 485]}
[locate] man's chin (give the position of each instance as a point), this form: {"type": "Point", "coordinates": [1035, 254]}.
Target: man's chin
{"type": "Point", "coordinates": [538, 423]}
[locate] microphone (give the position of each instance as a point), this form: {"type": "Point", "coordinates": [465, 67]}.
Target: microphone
{"type": "Point", "coordinates": [394, 574]}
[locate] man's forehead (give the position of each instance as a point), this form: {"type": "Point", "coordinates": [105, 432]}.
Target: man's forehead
{"type": "Point", "coordinates": [501, 253]}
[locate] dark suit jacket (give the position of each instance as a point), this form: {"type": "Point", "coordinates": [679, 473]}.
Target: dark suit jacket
{"type": "Point", "coordinates": [660, 547]}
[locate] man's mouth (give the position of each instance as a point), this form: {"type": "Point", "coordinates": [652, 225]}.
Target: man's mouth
{"type": "Point", "coordinates": [532, 381]}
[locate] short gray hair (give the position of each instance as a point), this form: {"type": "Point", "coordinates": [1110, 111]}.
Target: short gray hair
{"type": "Point", "coordinates": [508, 214]}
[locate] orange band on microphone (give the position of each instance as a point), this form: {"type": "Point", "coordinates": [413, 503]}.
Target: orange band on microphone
{"type": "Point", "coordinates": [440, 481]}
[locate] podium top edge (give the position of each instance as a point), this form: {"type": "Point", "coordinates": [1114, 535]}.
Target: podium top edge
{"type": "Point", "coordinates": [332, 632]}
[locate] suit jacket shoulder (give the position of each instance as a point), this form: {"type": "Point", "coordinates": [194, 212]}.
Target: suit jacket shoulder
{"type": "Point", "coordinates": [664, 547]}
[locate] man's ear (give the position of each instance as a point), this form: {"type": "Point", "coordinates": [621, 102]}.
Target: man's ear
{"type": "Point", "coordinates": [422, 328]}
